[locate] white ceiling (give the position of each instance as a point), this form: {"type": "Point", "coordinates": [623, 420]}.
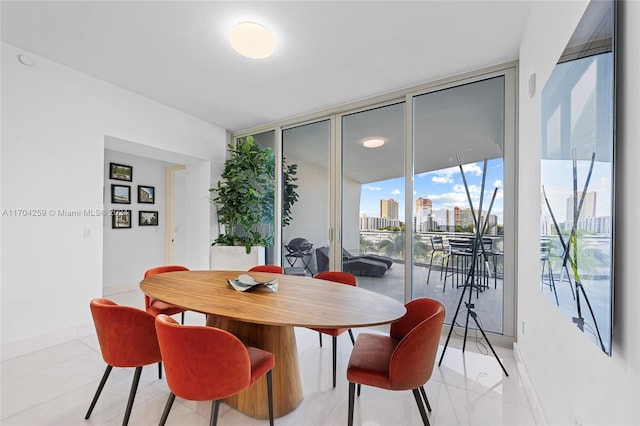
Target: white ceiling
{"type": "Point", "coordinates": [328, 52]}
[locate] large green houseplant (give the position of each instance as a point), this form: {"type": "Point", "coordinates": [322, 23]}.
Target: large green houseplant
{"type": "Point", "coordinates": [244, 195]}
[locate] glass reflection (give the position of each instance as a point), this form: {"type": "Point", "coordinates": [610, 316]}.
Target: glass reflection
{"type": "Point", "coordinates": [577, 177]}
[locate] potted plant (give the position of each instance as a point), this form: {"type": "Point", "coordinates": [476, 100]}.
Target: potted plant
{"type": "Point", "coordinates": [244, 197]}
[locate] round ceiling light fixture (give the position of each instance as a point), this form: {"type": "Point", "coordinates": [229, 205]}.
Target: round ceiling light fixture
{"type": "Point", "coordinates": [373, 143]}
{"type": "Point", "coordinates": [252, 40]}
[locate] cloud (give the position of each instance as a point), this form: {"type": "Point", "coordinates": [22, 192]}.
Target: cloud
{"type": "Point", "coordinates": [445, 176]}
{"type": "Point", "coordinates": [458, 198]}
{"type": "Point", "coordinates": [372, 188]}
{"type": "Point", "coordinates": [472, 168]}
{"type": "Point", "coordinates": [442, 179]}
{"type": "Point", "coordinates": [497, 183]}
{"type": "Point", "coordinates": [396, 192]}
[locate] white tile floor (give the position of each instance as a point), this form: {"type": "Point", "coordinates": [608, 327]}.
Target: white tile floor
{"type": "Point", "coordinates": [55, 386]}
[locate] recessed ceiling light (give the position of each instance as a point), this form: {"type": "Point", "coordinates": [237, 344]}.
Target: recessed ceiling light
{"type": "Point", "coordinates": [252, 40]}
{"type": "Point", "coordinates": [373, 143]}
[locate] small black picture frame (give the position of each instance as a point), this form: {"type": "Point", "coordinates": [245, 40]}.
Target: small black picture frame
{"type": "Point", "coordinates": [147, 218]}
{"type": "Point", "coordinates": [120, 172]}
{"type": "Point", "coordinates": [146, 194]}
{"type": "Point", "coordinates": [120, 219]}
{"type": "Point", "coordinates": [120, 194]}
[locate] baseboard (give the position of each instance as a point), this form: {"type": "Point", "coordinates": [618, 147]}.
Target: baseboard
{"type": "Point", "coordinates": [23, 347]}
{"type": "Point", "coordinates": [534, 402]}
{"type": "Point", "coordinates": [117, 289]}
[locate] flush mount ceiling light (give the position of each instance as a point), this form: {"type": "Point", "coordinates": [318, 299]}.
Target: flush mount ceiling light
{"type": "Point", "coordinates": [373, 143]}
{"type": "Point", "coordinates": [252, 40]}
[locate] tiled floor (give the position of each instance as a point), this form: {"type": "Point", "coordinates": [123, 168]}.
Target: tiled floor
{"type": "Point", "coordinates": [54, 387]}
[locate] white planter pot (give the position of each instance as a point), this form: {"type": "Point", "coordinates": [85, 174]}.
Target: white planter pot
{"type": "Point", "coordinates": [235, 258]}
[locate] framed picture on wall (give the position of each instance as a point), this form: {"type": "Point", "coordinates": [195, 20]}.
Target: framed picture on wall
{"type": "Point", "coordinates": [120, 172]}
{"type": "Point", "coordinates": [121, 219]}
{"type": "Point", "coordinates": [147, 218]}
{"type": "Point", "coordinates": [120, 194]}
{"type": "Point", "coordinates": [146, 194]}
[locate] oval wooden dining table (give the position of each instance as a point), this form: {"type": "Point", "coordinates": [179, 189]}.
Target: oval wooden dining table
{"type": "Point", "coordinates": [266, 320]}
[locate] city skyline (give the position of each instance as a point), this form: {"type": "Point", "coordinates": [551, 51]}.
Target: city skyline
{"type": "Point", "coordinates": [445, 189]}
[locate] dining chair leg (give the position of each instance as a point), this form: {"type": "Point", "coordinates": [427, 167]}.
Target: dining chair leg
{"type": "Point", "coordinates": [351, 403]}
{"type": "Point", "coordinates": [160, 370]}
{"type": "Point", "coordinates": [353, 340]}
{"type": "Point", "coordinates": [320, 337]}
{"type": "Point", "coordinates": [182, 318]}
{"type": "Point", "coordinates": [335, 357]}
{"type": "Point", "coordinates": [426, 400]}
{"type": "Point", "coordinates": [423, 413]}
{"type": "Point", "coordinates": [444, 255]}
{"type": "Point", "coordinates": [215, 407]}
{"type": "Point", "coordinates": [105, 376]}
{"type": "Point", "coordinates": [446, 274]}
{"type": "Point", "coordinates": [167, 408]}
{"type": "Point", "coordinates": [270, 395]}
{"type": "Point", "coordinates": [359, 388]}
{"type": "Point", "coordinates": [430, 263]}
{"type": "Point", "coordinates": [132, 395]}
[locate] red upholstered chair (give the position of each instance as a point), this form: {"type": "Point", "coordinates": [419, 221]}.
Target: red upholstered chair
{"type": "Point", "coordinates": [127, 338]}
{"type": "Point", "coordinates": [403, 360]}
{"type": "Point", "coordinates": [209, 364]}
{"type": "Point", "coordinates": [156, 307]}
{"type": "Point", "coordinates": [342, 278]}
{"type": "Point", "coordinates": [274, 269]}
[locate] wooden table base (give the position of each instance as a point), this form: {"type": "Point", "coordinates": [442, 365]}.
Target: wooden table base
{"type": "Point", "coordinates": [287, 384]}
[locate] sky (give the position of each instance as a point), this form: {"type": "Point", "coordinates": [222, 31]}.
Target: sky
{"type": "Point", "coordinates": [445, 188]}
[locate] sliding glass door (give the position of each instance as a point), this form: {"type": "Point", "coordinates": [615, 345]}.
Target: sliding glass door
{"type": "Point", "coordinates": [373, 188]}
{"type": "Point", "coordinates": [458, 198]}
{"type": "Point", "coordinates": [391, 193]}
{"type": "Point", "coordinates": [305, 233]}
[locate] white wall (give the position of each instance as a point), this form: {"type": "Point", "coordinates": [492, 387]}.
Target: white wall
{"type": "Point", "coordinates": [351, 191]}
{"type": "Point", "coordinates": [311, 212]}
{"type": "Point", "coordinates": [574, 381]}
{"type": "Point", "coordinates": [145, 244]}
{"type": "Point", "coordinates": [54, 124]}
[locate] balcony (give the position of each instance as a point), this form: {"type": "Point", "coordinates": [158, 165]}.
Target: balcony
{"type": "Point", "coordinates": [488, 299]}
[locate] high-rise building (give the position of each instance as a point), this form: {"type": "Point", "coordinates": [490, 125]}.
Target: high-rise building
{"type": "Point", "coordinates": [423, 206]}
{"type": "Point", "coordinates": [588, 206]}
{"type": "Point", "coordinates": [389, 209]}
{"type": "Point", "coordinates": [422, 214]}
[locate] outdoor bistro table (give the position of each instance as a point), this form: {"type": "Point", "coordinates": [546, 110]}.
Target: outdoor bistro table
{"type": "Point", "coordinates": [266, 320]}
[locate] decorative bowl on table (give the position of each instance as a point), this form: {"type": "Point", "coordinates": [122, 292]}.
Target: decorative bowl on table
{"type": "Point", "coordinates": [246, 282]}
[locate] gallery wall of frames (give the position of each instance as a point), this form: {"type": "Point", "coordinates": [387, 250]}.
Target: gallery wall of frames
{"type": "Point", "coordinates": [121, 216]}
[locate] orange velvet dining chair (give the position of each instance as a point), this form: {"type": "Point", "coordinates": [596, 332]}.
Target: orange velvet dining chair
{"type": "Point", "coordinates": [127, 338]}
{"type": "Point", "coordinates": [209, 364]}
{"type": "Point", "coordinates": [342, 278]}
{"type": "Point", "coordinates": [404, 359]}
{"type": "Point", "coordinates": [155, 306]}
{"type": "Point", "coordinates": [274, 269]}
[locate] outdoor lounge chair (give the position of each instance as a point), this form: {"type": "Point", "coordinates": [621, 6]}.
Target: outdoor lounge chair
{"type": "Point", "coordinates": [356, 265]}
{"type": "Point", "coordinates": [384, 259]}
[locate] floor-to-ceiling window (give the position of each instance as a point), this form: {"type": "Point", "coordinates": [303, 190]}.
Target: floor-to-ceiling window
{"type": "Point", "coordinates": [373, 192]}
{"type": "Point", "coordinates": [267, 141]}
{"type": "Point", "coordinates": [374, 210]}
{"type": "Point", "coordinates": [455, 130]}
{"type": "Point", "coordinates": [307, 148]}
